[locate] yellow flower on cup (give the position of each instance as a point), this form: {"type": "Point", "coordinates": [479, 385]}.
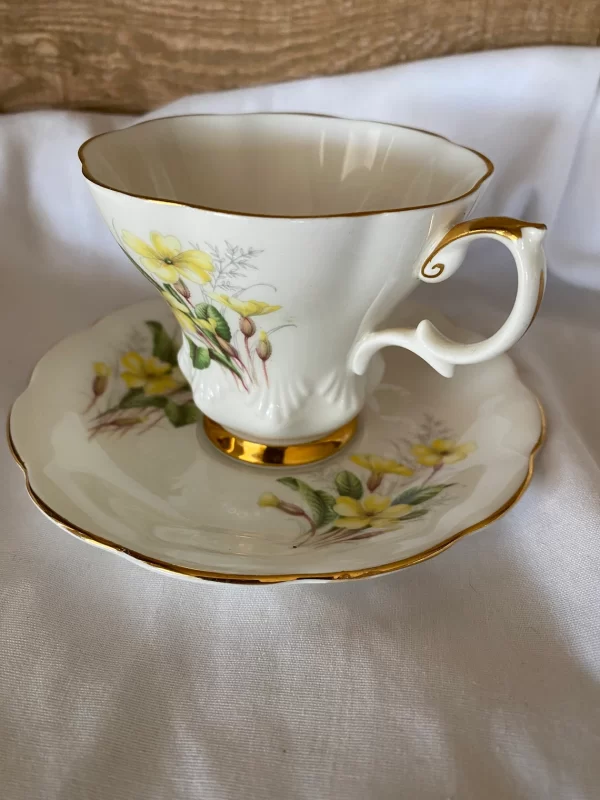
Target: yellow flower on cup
{"type": "Point", "coordinates": [264, 348]}
{"type": "Point", "coordinates": [174, 302]}
{"type": "Point", "coordinates": [442, 451]}
{"type": "Point", "coordinates": [165, 259]}
{"type": "Point", "coordinates": [209, 325]}
{"type": "Point", "coordinates": [375, 511]}
{"type": "Point", "coordinates": [180, 311]}
{"type": "Point", "coordinates": [185, 320]}
{"type": "Point", "coordinates": [150, 374]}
{"type": "Point", "coordinates": [245, 308]}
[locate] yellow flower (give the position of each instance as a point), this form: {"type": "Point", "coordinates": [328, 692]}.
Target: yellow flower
{"type": "Point", "coordinates": [442, 451]}
{"type": "Point", "coordinates": [101, 369]}
{"type": "Point", "coordinates": [150, 374]}
{"type": "Point", "coordinates": [264, 348]}
{"type": "Point", "coordinates": [165, 259]}
{"type": "Point", "coordinates": [181, 312]}
{"type": "Point", "coordinates": [375, 511]}
{"type": "Point", "coordinates": [269, 500]}
{"type": "Point", "coordinates": [209, 325]}
{"type": "Point", "coordinates": [378, 467]}
{"type": "Point", "coordinates": [245, 308]}
{"type": "Point", "coordinates": [174, 302]}
{"type": "Point", "coordinates": [100, 383]}
{"type": "Point", "coordinates": [185, 320]}
{"type": "Point", "coordinates": [381, 466]}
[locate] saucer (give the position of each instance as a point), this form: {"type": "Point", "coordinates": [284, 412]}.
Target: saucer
{"type": "Point", "coordinates": [114, 452]}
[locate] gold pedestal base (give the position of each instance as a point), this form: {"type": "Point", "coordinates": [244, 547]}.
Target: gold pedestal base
{"type": "Point", "coordinates": [268, 455]}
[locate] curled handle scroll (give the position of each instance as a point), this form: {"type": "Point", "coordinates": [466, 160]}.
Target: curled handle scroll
{"type": "Point", "coordinates": [524, 240]}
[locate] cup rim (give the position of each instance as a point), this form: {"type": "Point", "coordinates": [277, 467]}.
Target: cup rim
{"type": "Point", "coordinates": [88, 175]}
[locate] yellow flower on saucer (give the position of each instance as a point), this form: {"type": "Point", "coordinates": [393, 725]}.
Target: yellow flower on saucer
{"type": "Point", "coordinates": [442, 451]}
{"type": "Point", "coordinates": [245, 308]}
{"type": "Point", "coordinates": [165, 259]}
{"type": "Point", "coordinates": [381, 466]}
{"type": "Point", "coordinates": [101, 369]}
{"type": "Point", "coordinates": [150, 374]}
{"type": "Point", "coordinates": [375, 511]}
{"type": "Point", "coordinates": [269, 500]}
{"type": "Point", "coordinates": [100, 383]}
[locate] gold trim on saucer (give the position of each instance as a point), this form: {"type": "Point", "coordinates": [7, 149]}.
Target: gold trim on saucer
{"type": "Point", "coordinates": [489, 168]}
{"type": "Point", "coordinates": [291, 455]}
{"type": "Point", "coordinates": [366, 572]}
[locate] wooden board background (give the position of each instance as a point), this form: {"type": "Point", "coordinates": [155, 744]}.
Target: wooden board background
{"type": "Point", "coordinates": [132, 55]}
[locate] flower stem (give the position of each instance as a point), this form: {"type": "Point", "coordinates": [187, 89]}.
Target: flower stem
{"type": "Point", "coordinates": [154, 422]}
{"type": "Point", "coordinates": [242, 365]}
{"type": "Point", "coordinates": [211, 346]}
{"type": "Point", "coordinates": [343, 534]}
{"type": "Point", "coordinates": [108, 411]}
{"type": "Point", "coordinates": [90, 405]}
{"type": "Point", "coordinates": [433, 472]}
{"type": "Point", "coordinates": [310, 533]}
{"type": "Point", "coordinates": [250, 361]}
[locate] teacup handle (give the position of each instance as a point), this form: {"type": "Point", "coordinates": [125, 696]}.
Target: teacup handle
{"type": "Point", "coordinates": [524, 240]}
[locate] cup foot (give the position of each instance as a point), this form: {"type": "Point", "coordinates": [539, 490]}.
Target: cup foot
{"type": "Point", "coordinates": [268, 455]}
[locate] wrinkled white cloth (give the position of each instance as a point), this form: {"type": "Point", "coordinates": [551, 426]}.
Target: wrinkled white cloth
{"type": "Point", "coordinates": [474, 675]}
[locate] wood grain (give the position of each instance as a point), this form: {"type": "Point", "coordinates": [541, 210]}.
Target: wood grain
{"type": "Point", "coordinates": [132, 55]}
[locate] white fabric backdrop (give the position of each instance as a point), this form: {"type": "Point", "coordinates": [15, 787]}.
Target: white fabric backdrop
{"type": "Point", "coordinates": [474, 675]}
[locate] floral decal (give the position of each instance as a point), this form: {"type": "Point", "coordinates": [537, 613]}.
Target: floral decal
{"type": "Point", "coordinates": [374, 511]}
{"type": "Point", "coordinates": [143, 388]}
{"type": "Point", "coordinates": [165, 259]}
{"type": "Point", "coordinates": [386, 495]}
{"type": "Point", "coordinates": [151, 375]}
{"type": "Point", "coordinates": [440, 452]}
{"type": "Point", "coordinates": [211, 306]}
{"type": "Point", "coordinates": [378, 467]}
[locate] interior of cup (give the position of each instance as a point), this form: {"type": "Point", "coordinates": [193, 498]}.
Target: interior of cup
{"type": "Point", "coordinates": [283, 165]}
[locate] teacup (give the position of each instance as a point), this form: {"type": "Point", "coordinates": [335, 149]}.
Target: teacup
{"type": "Point", "coordinates": [281, 242]}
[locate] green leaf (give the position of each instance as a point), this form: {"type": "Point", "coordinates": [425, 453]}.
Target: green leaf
{"type": "Point", "coordinates": [135, 398]}
{"type": "Point", "coordinates": [175, 295]}
{"type": "Point", "coordinates": [163, 346]}
{"type": "Point", "coordinates": [348, 484]}
{"type": "Point", "coordinates": [329, 501]}
{"type": "Point", "coordinates": [128, 399]}
{"type": "Point", "coordinates": [319, 509]}
{"type": "Point", "coordinates": [208, 312]}
{"type": "Point", "coordinates": [180, 415]}
{"type": "Point", "coordinates": [420, 512]}
{"type": "Point", "coordinates": [419, 494]}
{"type": "Point", "coordinates": [193, 347]}
{"type": "Point", "coordinates": [201, 358]}
{"type": "Point", "coordinates": [292, 483]}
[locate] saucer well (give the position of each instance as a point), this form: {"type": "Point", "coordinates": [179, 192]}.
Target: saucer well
{"type": "Point", "coordinates": [114, 452]}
